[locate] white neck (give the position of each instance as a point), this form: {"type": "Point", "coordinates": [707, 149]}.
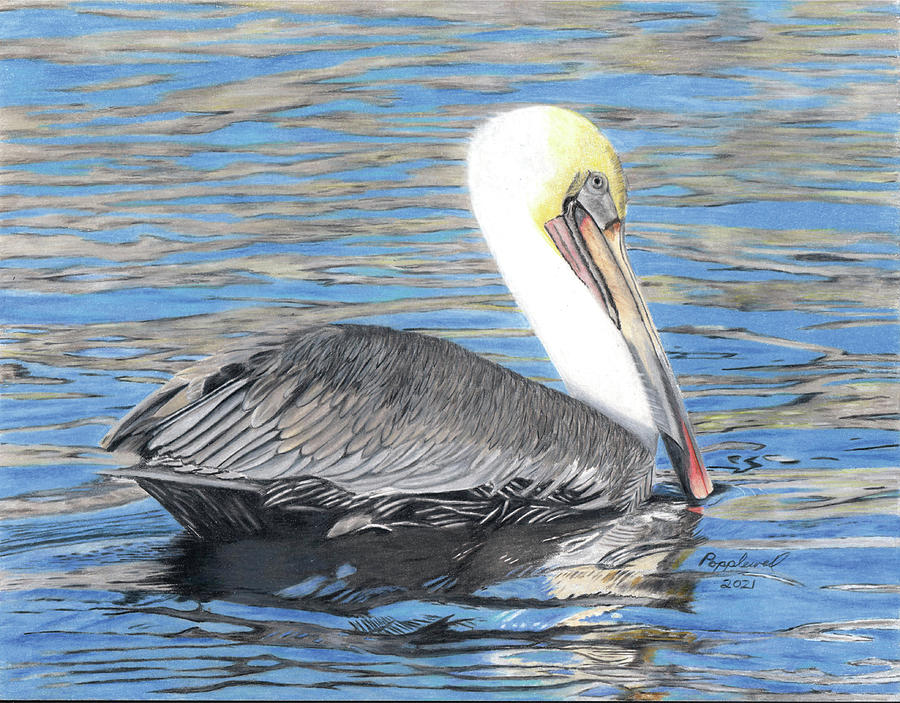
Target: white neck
{"type": "Point", "coordinates": [584, 345]}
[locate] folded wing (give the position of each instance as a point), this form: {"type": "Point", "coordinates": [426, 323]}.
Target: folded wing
{"type": "Point", "coordinates": [379, 411]}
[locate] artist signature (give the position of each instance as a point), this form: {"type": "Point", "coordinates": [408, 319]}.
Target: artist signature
{"type": "Point", "coordinates": [711, 561]}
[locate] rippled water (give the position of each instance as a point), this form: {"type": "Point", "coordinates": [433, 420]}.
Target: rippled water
{"type": "Point", "coordinates": [176, 176]}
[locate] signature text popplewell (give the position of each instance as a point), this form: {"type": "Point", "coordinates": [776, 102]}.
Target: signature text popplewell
{"type": "Point", "coordinates": [710, 560]}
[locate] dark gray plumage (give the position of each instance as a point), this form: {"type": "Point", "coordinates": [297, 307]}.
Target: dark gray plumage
{"type": "Point", "coordinates": [373, 426]}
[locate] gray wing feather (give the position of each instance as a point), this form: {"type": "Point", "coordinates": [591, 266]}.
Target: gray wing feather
{"type": "Point", "coordinates": [377, 411]}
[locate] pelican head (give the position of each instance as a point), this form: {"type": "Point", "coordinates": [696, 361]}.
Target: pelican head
{"type": "Point", "coordinates": [549, 193]}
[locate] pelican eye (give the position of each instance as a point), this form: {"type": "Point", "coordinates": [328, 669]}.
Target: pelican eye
{"type": "Point", "coordinates": [597, 182]}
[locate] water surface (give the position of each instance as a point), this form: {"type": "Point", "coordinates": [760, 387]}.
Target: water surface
{"type": "Point", "coordinates": [176, 177]}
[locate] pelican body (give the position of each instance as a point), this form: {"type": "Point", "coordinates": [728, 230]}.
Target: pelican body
{"type": "Point", "coordinates": [346, 428]}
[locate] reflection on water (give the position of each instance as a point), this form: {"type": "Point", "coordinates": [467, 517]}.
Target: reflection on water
{"type": "Point", "coordinates": [176, 177]}
{"type": "Point", "coordinates": [486, 596]}
{"type": "Point", "coordinates": [628, 557]}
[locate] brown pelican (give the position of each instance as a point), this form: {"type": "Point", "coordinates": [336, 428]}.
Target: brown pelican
{"type": "Point", "coordinates": [351, 427]}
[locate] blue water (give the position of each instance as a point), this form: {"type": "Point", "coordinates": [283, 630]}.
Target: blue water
{"type": "Point", "coordinates": [177, 176]}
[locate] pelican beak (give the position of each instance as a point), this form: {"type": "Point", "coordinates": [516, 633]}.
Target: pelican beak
{"type": "Point", "coordinates": [590, 237]}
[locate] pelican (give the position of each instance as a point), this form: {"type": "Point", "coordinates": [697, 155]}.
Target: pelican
{"type": "Point", "coordinates": [354, 427]}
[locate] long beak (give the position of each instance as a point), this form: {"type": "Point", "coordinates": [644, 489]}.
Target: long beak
{"type": "Point", "coordinates": [598, 258]}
